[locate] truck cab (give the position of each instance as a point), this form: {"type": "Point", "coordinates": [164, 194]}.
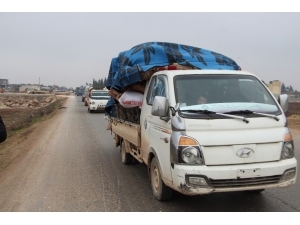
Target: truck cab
{"type": "Point", "coordinates": [237, 139]}
{"type": "Point", "coordinates": [97, 100]}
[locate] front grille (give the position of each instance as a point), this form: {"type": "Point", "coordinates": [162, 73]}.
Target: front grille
{"type": "Point", "coordinates": [245, 182]}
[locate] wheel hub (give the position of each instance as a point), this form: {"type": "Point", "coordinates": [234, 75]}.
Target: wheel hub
{"type": "Point", "coordinates": [155, 178]}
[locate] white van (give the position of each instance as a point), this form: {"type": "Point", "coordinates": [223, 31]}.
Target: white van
{"type": "Point", "coordinates": [97, 100]}
{"type": "Point", "coordinates": [236, 139]}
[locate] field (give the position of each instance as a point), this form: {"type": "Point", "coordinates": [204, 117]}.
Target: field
{"type": "Point", "coordinates": [20, 110]}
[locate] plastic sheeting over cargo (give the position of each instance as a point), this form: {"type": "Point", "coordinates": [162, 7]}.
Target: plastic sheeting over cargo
{"type": "Point", "coordinates": [126, 69]}
{"type": "Point", "coordinates": [129, 66]}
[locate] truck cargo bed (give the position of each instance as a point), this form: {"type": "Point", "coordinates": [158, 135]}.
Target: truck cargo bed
{"type": "Point", "coordinates": [127, 130]}
{"type": "Point", "coordinates": [128, 114]}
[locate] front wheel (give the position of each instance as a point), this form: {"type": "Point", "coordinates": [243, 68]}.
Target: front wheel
{"type": "Point", "coordinates": [256, 191]}
{"type": "Point", "coordinates": [160, 191]}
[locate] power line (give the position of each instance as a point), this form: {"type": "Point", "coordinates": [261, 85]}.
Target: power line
{"type": "Point", "coordinates": [248, 65]}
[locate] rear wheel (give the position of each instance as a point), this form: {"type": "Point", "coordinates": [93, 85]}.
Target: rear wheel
{"type": "Point", "coordinates": [160, 191]}
{"type": "Point", "coordinates": [134, 160]}
{"type": "Point", "coordinates": [125, 156]}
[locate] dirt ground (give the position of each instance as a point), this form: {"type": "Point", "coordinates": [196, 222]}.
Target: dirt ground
{"type": "Point", "coordinates": [20, 141]}
{"type": "Point", "coordinates": [24, 128]}
{"type": "Point", "coordinates": [294, 125]}
{"type": "Point", "coordinates": [293, 117]}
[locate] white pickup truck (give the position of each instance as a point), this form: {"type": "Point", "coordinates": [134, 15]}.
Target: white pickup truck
{"type": "Point", "coordinates": [206, 131]}
{"type": "Point", "coordinates": [97, 100]}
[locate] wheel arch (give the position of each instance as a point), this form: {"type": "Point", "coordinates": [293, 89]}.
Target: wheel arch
{"type": "Point", "coordinates": [152, 154]}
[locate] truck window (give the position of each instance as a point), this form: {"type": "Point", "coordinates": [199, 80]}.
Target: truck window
{"type": "Point", "coordinates": [100, 95]}
{"type": "Point", "coordinates": [223, 93]}
{"type": "Point", "coordinates": [157, 88]}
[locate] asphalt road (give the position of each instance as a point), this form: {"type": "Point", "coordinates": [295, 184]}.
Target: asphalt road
{"type": "Point", "coordinates": [77, 168]}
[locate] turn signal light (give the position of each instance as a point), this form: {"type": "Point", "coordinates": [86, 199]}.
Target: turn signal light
{"type": "Point", "coordinates": [186, 141]}
{"type": "Point", "coordinates": [288, 137]}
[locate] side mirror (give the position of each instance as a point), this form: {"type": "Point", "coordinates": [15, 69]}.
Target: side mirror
{"type": "Point", "coordinates": [284, 102]}
{"type": "Point", "coordinates": [160, 106]}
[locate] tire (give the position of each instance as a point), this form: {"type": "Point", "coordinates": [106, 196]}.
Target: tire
{"type": "Point", "coordinates": [256, 191]}
{"type": "Point", "coordinates": [160, 191]}
{"type": "Point", "coordinates": [126, 158]}
{"type": "Point", "coordinates": [135, 161]}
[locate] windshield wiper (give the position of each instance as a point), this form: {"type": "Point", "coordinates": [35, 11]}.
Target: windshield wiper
{"type": "Point", "coordinates": [251, 112]}
{"type": "Point", "coordinates": [198, 111]}
{"type": "Point", "coordinates": [212, 112]}
{"type": "Point", "coordinates": [235, 117]}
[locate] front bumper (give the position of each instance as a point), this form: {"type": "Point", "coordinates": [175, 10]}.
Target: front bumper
{"type": "Point", "coordinates": [233, 177]}
{"type": "Point", "coordinates": [97, 108]}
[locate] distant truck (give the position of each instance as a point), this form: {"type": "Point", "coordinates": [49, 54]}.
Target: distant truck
{"type": "Point", "coordinates": [79, 92]}
{"type": "Point", "coordinates": [97, 100]}
{"type": "Point", "coordinates": [236, 139]}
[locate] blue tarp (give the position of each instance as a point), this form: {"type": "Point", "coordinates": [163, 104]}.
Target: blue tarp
{"type": "Point", "coordinates": [126, 69]}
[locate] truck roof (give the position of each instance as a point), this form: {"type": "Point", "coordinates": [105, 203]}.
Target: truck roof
{"type": "Point", "coordinates": [182, 72]}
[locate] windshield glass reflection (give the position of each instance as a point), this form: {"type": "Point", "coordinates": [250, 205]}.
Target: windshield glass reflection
{"type": "Point", "coordinates": [222, 93]}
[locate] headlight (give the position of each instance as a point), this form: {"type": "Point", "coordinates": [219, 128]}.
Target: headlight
{"type": "Point", "coordinates": [287, 150]}
{"type": "Point", "coordinates": [93, 103]}
{"type": "Point", "coordinates": [288, 147]}
{"type": "Point", "coordinates": [191, 155]}
{"type": "Point", "coordinates": [189, 151]}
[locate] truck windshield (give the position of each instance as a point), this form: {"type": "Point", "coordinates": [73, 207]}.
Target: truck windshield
{"type": "Point", "coordinates": [222, 94]}
{"type": "Point", "coordinates": [100, 95]}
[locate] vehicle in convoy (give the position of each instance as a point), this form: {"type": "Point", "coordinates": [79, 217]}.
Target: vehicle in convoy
{"type": "Point", "coordinates": [86, 99]}
{"type": "Point", "coordinates": [84, 95]}
{"type": "Point", "coordinates": [79, 92]}
{"type": "Point", "coordinates": [97, 100]}
{"type": "Point", "coordinates": [203, 131]}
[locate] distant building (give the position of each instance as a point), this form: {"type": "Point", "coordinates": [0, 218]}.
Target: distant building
{"type": "Point", "coordinates": [275, 87]}
{"type": "Point", "coordinates": [25, 88]}
{"type": "Point", "coordinates": [3, 83]}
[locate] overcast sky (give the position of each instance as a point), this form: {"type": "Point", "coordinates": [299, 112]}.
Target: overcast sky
{"type": "Point", "coordinates": [71, 48]}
